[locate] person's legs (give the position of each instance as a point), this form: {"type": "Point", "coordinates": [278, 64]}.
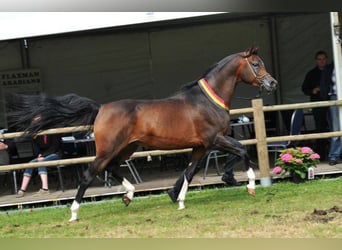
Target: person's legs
{"type": "Point", "coordinates": [335, 150]}
{"type": "Point", "coordinates": [43, 172]}
{"type": "Point", "coordinates": [26, 180]}
{"type": "Point", "coordinates": [44, 178]}
{"type": "Point", "coordinates": [335, 142]}
{"type": "Point", "coordinates": [322, 125]}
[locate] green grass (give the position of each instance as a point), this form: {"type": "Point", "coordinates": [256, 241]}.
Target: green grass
{"type": "Point", "coordinates": [284, 210]}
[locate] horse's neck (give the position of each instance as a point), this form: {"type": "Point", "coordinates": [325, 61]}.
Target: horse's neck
{"type": "Point", "coordinates": [223, 81]}
{"type": "Point", "coordinates": [223, 87]}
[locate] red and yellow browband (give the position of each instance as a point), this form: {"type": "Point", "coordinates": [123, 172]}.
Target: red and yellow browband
{"type": "Point", "coordinates": [208, 91]}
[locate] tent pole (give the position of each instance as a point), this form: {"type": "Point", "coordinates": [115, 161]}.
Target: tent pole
{"type": "Point", "coordinates": [337, 55]}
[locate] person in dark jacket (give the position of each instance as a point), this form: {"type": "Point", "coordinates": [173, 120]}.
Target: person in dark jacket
{"type": "Point", "coordinates": [48, 149]}
{"type": "Point", "coordinates": [317, 84]}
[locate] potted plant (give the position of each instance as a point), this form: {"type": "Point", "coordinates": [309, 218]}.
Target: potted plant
{"type": "Point", "coordinates": [296, 161]}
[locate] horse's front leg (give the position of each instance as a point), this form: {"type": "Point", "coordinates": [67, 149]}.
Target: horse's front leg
{"type": "Point", "coordinates": [251, 181]}
{"type": "Point", "coordinates": [229, 144]}
{"type": "Point", "coordinates": [180, 188]}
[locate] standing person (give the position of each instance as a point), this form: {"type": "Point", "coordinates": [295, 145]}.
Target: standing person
{"type": "Point", "coordinates": [316, 85]}
{"type": "Point", "coordinates": [335, 142]}
{"type": "Point", "coordinates": [48, 147]}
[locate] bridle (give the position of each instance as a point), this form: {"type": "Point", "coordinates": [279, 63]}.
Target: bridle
{"type": "Point", "coordinates": [257, 76]}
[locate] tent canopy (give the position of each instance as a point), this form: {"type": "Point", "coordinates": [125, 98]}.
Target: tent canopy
{"type": "Point", "coordinates": [29, 24]}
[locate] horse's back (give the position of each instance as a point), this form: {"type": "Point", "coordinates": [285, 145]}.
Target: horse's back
{"type": "Point", "coordinates": [145, 113]}
{"type": "Point", "coordinates": [115, 113]}
{"type": "Point", "coordinates": [163, 123]}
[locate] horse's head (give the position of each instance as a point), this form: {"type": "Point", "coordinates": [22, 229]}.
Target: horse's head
{"type": "Point", "coordinates": [253, 71]}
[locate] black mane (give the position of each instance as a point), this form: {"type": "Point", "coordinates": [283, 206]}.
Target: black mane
{"type": "Point", "coordinates": [213, 69]}
{"type": "Point", "coordinates": [218, 66]}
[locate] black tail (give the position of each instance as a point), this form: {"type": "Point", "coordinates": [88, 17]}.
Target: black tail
{"type": "Point", "coordinates": [54, 112]}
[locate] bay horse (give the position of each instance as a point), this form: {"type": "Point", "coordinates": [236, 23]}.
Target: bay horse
{"type": "Point", "coordinates": [196, 117]}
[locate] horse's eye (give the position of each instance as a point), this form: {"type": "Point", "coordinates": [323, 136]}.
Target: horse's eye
{"type": "Point", "coordinates": [256, 66]}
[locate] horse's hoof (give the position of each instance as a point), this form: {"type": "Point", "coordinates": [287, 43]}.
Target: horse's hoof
{"type": "Point", "coordinates": [181, 205]}
{"type": "Point", "coordinates": [126, 200]}
{"type": "Point", "coordinates": [251, 191]}
{"type": "Point", "coordinates": [73, 220]}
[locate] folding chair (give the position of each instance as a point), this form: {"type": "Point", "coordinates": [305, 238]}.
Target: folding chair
{"type": "Point", "coordinates": [295, 129]}
{"type": "Point", "coordinates": [213, 154]}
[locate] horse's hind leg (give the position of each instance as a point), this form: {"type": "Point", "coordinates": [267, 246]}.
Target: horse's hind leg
{"type": "Point", "coordinates": [88, 178]}
{"type": "Point", "coordinates": [124, 154]}
{"type": "Point", "coordinates": [89, 175]}
{"type": "Point", "coordinates": [128, 196]}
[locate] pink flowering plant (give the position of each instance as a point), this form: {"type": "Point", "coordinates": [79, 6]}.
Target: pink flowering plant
{"type": "Point", "coordinates": [296, 160]}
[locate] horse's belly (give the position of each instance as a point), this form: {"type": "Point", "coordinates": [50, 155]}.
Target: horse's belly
{"type": "Point", "coordinates": [162, 142]}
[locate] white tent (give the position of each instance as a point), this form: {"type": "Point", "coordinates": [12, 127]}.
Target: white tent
{"type": "Point", "coordinates": [15, 25]}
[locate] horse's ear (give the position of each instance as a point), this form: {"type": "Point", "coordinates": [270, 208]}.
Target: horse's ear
{"type": "Point", "coordinates": [252, 51]}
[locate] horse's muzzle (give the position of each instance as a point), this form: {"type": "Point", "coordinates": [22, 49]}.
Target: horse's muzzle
{"type": "Point", "coordinates": [269, 84]}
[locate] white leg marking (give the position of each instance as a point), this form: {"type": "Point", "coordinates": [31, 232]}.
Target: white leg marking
{"type": "Point", "coordinates": [251, 178]}
{"type": "Point", "coordinates": [74, 211]}
{"type": "Point", "coordinates": [129, 188]}
{"type": "Point", "coordinates": [182, 193]}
